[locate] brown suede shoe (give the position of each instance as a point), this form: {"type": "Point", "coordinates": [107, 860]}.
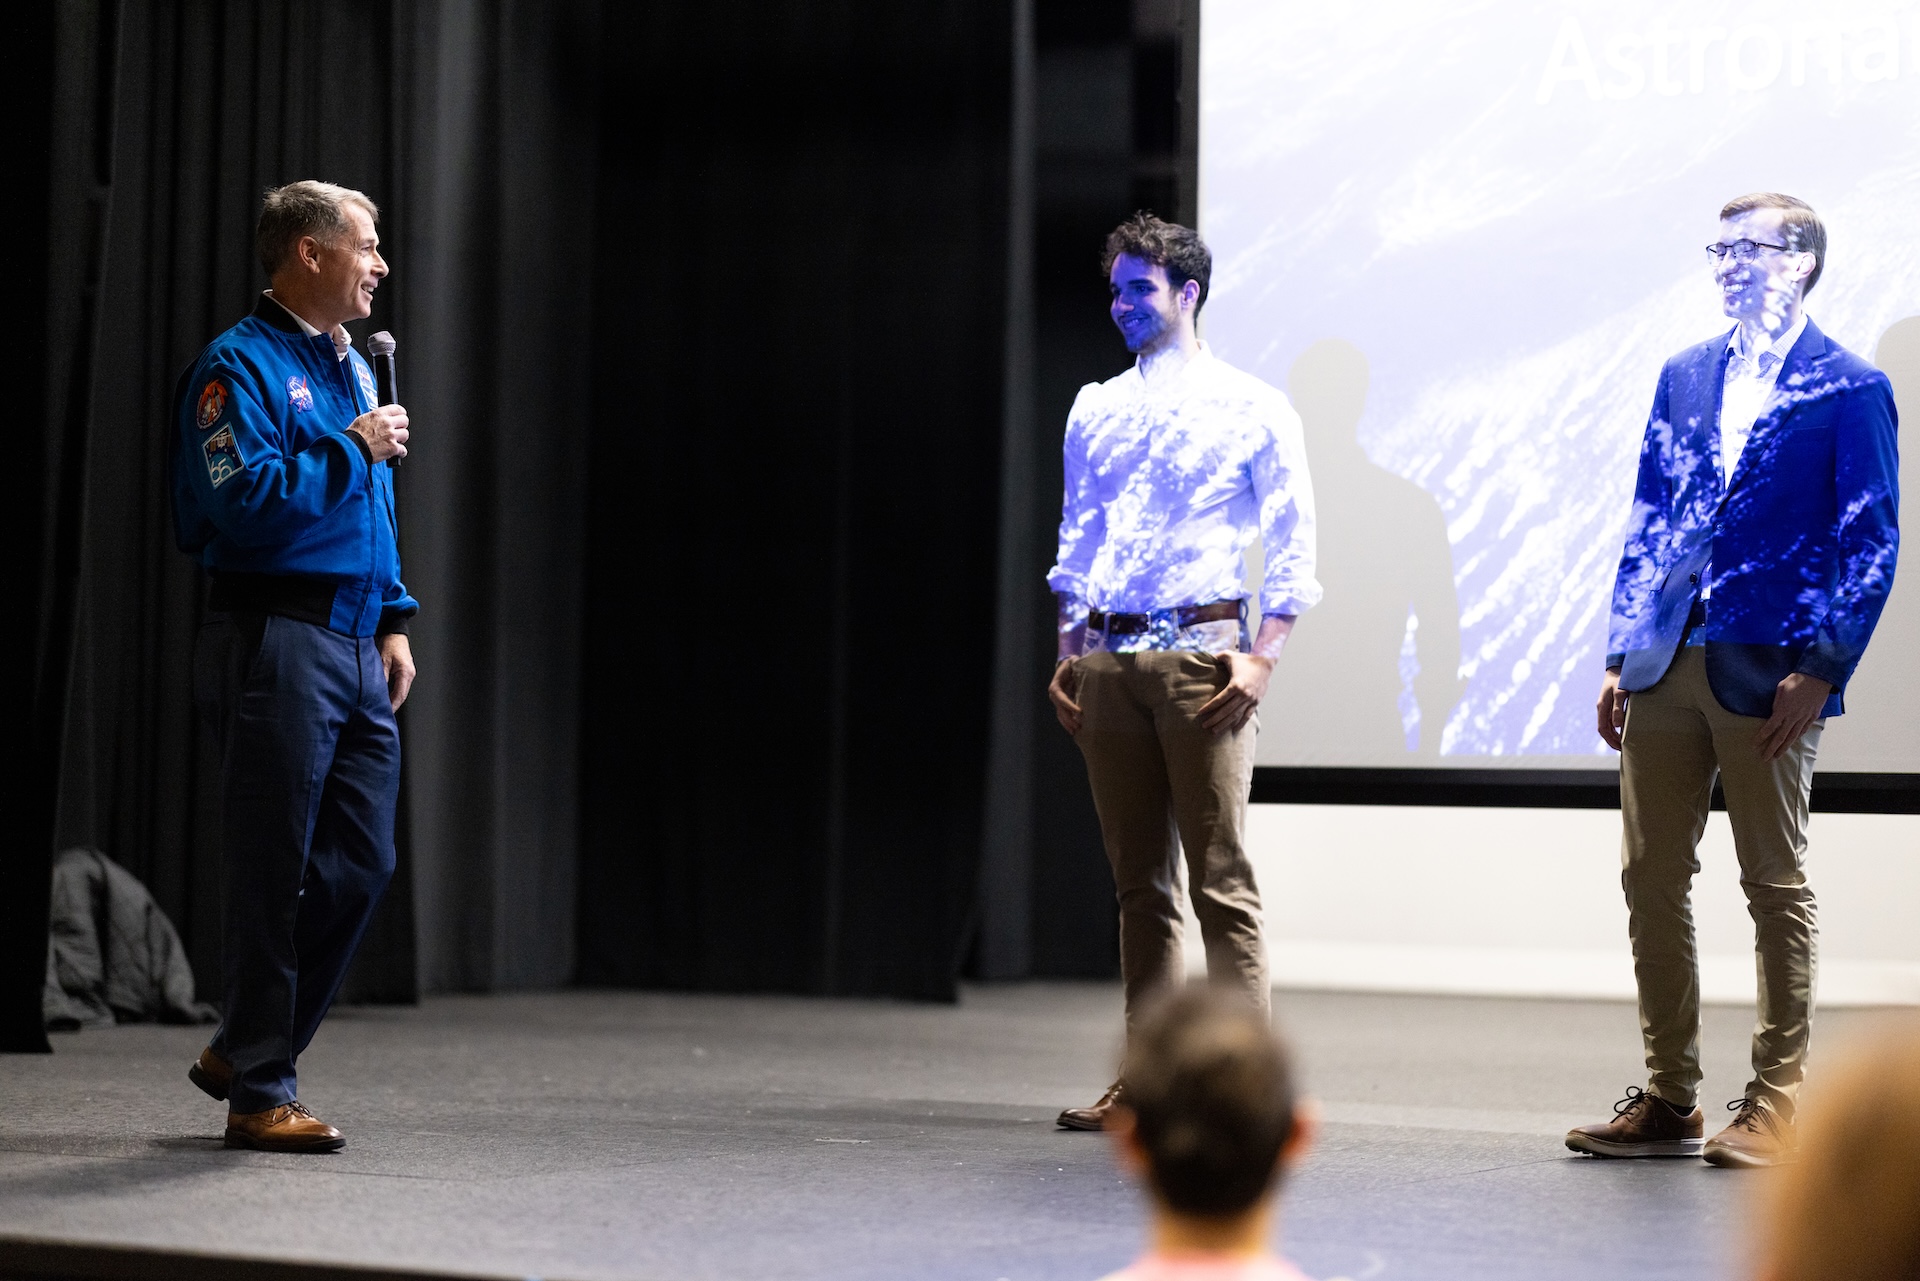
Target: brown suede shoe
{"type": "Point", "coordinates": [1758, 1137]}
{"type": "Point", "coordinates": [211, 1073]}
{"type": "Point", "coordinates": [288, 1128]}
{"type": "Point", "coordinates": [1643, 1125]}
{"type": "Point", "coordinates": [1093, 1118]}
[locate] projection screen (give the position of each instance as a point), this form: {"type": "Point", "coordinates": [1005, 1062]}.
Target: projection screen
{"type": "Point", "coordinates": [1464, 238]}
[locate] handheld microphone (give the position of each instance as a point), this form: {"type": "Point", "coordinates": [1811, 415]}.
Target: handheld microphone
{"type": "Point", "coordinates": [386, 384]}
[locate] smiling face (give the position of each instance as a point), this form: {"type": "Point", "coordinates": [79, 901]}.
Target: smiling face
{"type": "Point", "coordinates": [1766, 290]}
{"type": "Point", "coordinates": [331, 281]}
{"type": "Point", "coordinates": [351, 269]}
{"type": "Point", "coordinates": [1148, 310]}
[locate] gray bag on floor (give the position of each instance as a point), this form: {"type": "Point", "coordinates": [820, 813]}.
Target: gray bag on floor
{"type": "Point", "coordinates": [112, 955]}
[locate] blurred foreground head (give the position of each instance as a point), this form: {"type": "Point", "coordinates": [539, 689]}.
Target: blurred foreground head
{"type": "Point", "coordinates": [1850, 1208]}
{"type": "Point", "coordinates": [1211, 1096]}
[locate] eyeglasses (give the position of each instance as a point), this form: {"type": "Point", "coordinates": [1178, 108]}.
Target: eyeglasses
{"type": "Point", "coordinates": [1742, 250]}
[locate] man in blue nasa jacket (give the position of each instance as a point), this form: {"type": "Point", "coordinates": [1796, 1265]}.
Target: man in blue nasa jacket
{"type": "Point", "coordinates": [279, 489]}
{"type": "Point", "coordinates": [1758, 555]}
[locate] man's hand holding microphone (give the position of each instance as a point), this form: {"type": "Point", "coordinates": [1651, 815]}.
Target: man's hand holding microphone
{"type": "Point", "coordinates": [385, 431]}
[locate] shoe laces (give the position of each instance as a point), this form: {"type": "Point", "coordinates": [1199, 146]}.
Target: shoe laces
{"type": "Point", "coordinates": [1749, 1115]}
{"type": "Point", "coordinates": [1636, 1099]}
{"type": "Point", "coordinates": [300, 1109]}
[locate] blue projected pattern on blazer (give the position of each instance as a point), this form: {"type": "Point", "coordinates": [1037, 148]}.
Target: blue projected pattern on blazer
{"type": "Point", "coordinates": [1799, 546]}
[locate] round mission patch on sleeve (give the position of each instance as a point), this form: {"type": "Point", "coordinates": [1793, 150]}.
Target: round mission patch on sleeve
{"type": "Point", "coordinates": [213, 403]}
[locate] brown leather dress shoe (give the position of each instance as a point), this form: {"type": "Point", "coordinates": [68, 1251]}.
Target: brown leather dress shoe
{"type": "Point", "coordinates": [1095, 1117]}
{"type": "Point", "coordinates": [1643, 1125]}
{"type": "Point", "coordinates": [288, 1128]}
{"type": "Point", "coordinates": [211, 1073]}
{"type": "Point", "coordinates": [1758, 1137]}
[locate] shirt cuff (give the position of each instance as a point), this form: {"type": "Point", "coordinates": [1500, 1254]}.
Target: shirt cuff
{"type": "Point", "coordinates": [1287, 604]}
{"type": "Point", "coordinates": [393, 623]}
{"type": "Point", "coordinates": [366, 450]}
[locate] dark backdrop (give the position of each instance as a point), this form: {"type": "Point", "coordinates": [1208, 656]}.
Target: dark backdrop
{"type": "Point", "coordinates": [157, 127]}
{"type": "Point", "coordinates": [1115, 115]}
{"type": "Point", "coordinates": [791, 518]}
{"type": "Point", "coordinates": [738, 340]}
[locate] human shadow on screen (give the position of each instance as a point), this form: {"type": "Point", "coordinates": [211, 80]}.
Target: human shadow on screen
{"type": "Point", "coordinates": [1347, 683]}
{"type": "Point", "coordinates": [1883, 699]}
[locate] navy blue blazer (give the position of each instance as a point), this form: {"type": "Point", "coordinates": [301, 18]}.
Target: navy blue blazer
{"type": "Point", "coordinates": [1801, 542]}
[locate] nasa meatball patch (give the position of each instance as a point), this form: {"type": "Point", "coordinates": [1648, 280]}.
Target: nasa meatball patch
{"type": "Point", "coordinates": [223, 456]}
{"type": "Point", "coordinates": [213, 403]}
{"type": "Point", "coordinates": [297, 394]}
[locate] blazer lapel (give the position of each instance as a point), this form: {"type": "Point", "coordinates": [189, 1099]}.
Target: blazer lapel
{"type": "Point", "coordinates": [1696, 433]}
{"type": "Point", "coordinates": [1795, 370]}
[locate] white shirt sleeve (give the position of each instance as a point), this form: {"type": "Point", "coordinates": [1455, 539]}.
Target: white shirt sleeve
{"type": "Point", "coordinates": [1284, 492]}
{"type": "Point", "coordinates": [1082, 518]}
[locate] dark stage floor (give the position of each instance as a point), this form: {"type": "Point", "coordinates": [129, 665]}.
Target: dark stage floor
{"type": "Point", "coordinates": [626, 1135]}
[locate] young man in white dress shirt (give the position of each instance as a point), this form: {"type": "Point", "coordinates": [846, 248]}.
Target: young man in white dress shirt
{"type": "Point", "coordinates": [1173, 469]}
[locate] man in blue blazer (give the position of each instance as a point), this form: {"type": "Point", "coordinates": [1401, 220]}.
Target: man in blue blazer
{"type": "Point", "coordinates": [1758, 556]}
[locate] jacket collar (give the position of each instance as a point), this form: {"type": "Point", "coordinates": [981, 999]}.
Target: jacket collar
{"type": "Point", "coordinates": [276, 316]}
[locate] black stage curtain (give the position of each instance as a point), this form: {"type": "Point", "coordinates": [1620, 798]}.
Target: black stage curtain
{"type": "Point", "coordinates": [495, 181]}
{"type": "Point", "coordinates": [798, 399]}
{"type": "Point", "coordinates": [703, 320]}
{"type": "Point", "coordinates": [39, 519]}
{"type": "Point", "coordinates": [215, 103]}
{"type": "Point", "coordinates": [472, 125]}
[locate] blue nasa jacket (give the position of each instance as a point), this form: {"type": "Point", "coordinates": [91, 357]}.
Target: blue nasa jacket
{"type": "Point", "coordinates": [281, 503]}
{"type": "Point", "coordinates": [1799, 546]}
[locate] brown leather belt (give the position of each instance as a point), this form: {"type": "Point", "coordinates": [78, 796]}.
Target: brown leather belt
{"type": "Point", "coordinates": [1184, 616]}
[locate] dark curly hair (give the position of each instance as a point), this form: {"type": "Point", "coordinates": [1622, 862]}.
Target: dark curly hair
{"type": "Point", "coordinates": [1165, 244]}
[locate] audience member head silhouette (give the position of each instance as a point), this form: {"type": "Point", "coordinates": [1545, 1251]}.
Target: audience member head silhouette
{"type": "Point", "coordinates": [1850, 1207]}
{"type": "Point", "coordinates": [1209, 1121]}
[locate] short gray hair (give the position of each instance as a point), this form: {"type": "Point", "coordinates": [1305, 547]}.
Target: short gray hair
{"type": "Point", "coordinates": [305, 208]}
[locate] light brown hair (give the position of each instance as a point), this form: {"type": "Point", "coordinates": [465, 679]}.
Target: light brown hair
{"type": "Point", "coordinates": [1804, 231]}
{"type": "Point", "coordinates": [1850, 1207]}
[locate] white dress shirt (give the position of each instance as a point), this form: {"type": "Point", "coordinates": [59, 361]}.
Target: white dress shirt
{"type": "Point", "coordinates": [1744, 394]}
{"type": "Point", "coordinates": [1750, 380]}
{"type": "Point", "coordinates": [1169, 483]}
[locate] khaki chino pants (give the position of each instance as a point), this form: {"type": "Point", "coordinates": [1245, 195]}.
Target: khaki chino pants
{"type": "Point", "coordinates": [1162, 782]}
{"type": "Point", "coordinates": [1677, 739]}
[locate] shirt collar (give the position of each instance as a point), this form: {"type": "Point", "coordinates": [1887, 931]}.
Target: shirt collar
{"type": "Point", "coordinates": [298, 319]}
{"type": "Point", "coordinates": [339, 335]}
{"type": "Point", "coordinates": [1194, 365]}
{"type": "Point", "coordinates": [1779, 347]}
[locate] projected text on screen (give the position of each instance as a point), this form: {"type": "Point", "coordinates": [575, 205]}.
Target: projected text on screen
{"type": "Point", "coordinates": [1464, 238]}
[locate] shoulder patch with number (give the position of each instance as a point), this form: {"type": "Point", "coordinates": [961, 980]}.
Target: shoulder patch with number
{"type": "Point", "coordinates": [223, 456]}
{"type": "Point", "coordinates": [213, 403]}
{"type": "Point", "coordinates": [297, 394]}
